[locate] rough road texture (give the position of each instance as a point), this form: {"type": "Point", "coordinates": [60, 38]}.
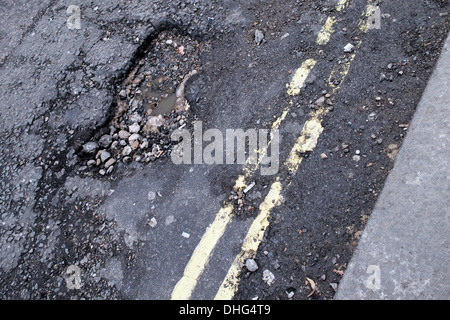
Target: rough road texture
{"type": "Point", "coordinates": [59, 89]}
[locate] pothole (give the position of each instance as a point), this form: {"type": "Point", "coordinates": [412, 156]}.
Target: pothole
{"type": "Point", "coordinates": [150, 104]}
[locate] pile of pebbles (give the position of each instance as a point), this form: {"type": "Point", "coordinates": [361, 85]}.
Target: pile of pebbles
{"type": "Point", "coordinates": [151, 105]}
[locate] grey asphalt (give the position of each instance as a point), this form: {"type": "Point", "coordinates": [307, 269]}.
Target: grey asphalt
{"type": "Point", "coordinates": [58, 90]}
{"type": "Point", "coordinates": [404, 250]}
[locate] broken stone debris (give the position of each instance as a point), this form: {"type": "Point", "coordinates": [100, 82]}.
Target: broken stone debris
{"type": "Point", "coordinates": [349, 47]}
{"type": "Point", "coordinates": [268, 277]}
{"type": "Point", "coordinates": [259, 37]}
{"type": "Point", "coordinates": [251, 265]}
{"type": "Point", "coordinates": [149, 109]}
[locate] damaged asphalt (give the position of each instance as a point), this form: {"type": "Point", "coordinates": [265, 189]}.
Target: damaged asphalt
{"type": "Point", "coordinates": [69, 230]}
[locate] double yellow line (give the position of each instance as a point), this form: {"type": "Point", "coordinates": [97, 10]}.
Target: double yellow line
{"type": "Point", "coordinates": [306, 142]}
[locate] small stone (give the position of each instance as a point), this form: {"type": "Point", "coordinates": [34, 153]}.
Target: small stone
{"type": "Point", "coordinates": [134, 144]}
{"type": "Point", "coordinates": [153, 123]}
{"type": "Point", "coordinates": [123, 94]}
{"type": "Point", "coordinates": [169, 220]}
{"type": "Point", "coordinates": [151, 195]}
{"type": "Point", "coordinates": [126, 151]}
{"type": "Point", "coordinates": [134, 128]}
{"type": "Point", "coordinates": [320, 102]}
{"type": "Point", "coordinates": [356, 158]}
{"type": "Point", "coordinates": [334, 286]}
{"type": "Point", "coordinates": [123, 135]}
{"type": "Point", "coordinates": [105, 156]}
{"type": "Point", "coordinates": [276, 265]}
{"type": "Point", "coordinates": [251, 265]}
{"type": "Point", "coordinates": [152, 223]}
{"type": "Point", "coordinates": [324, 156]}
{"type": "Point", "coordinates": [284, 36]}
{"type": "Point", "coordinates": [102, 172]}
{"type": "Point", "coordinates": [393, 151]}
{"type": "Point", "coordinates": [185, 235]}
{"type": "Point", "coordinates": [105, 141]}
{"type": "Point", "coordinates": [135, 117]}
{"type": "Point", "coordinates": [268, 277]}
{"type": "Point", "coordinates": [134, 137]}
{"type": "Point", "coordinates": [109, 163]}
{"type": "Point", "coordinates": [349, 47]}
{"type": "Point", "coordinates": [90, 147]}
{"type": "Point", "coordinates": [290, 294]}
{"type": "Point", "coordinates": [259, 37]}
{"type": "Point", "coordinates": [144, 144]}
{"type": "Point", "coordinates": [91, 163]}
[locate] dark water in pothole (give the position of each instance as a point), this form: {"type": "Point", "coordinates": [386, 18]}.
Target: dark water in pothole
{"type": "Point", "coordinates": [158, 96]}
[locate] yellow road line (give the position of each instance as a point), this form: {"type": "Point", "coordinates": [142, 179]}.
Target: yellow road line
{"type": "Point", "coordinates": [294, 87]}
{"type": "Point", "coordinates": [328, 28]}
{"type": "Point", "coordinates": [251, 242]}
{"type": "Point", "coordinates": [307, 142]}
{"type": "Point", "coordinates": [201, 255]}
{"type": "Point", "coordinates": [325, 34]}
{"type": "Point", "coordinates": [341, 5]}
{"type": "Point", "coordinates": [184, 288]}
{"type": "Point", "coordinates": [297, 83]}
{"type": "Point", "coordinates": [340, 72]}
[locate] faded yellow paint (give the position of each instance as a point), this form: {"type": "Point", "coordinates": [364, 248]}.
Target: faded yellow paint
{"type": "Point", "coordinates": [306, 142]}
{"type": "Point", "coordinates": [326, 32]}
{"type": "Point", "coordinates": [294, 87]}
{"type": "Point", "coordinates": [240, 183]}
{"type": "Point", "coordinates": [328, 28]}
{"type": "Point", "coordinates": [341, 5]}
{"type": "Point", "coordinates": [364, 21]}
{"type": "Point", "coordinates": [251, 242]}
{"type": "Point", "coordinates": [340, 72]}
{"type": "Point", "coordinates": [200, 257]}
{"type": "Point", "coordinates": [299, 77]}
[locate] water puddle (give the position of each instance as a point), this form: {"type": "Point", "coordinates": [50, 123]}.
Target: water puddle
{"type": "Point", "coordinates": [158, 96]}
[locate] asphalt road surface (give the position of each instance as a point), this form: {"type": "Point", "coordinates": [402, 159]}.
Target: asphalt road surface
{"type": "Point", "coordinates": [93, 203]}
